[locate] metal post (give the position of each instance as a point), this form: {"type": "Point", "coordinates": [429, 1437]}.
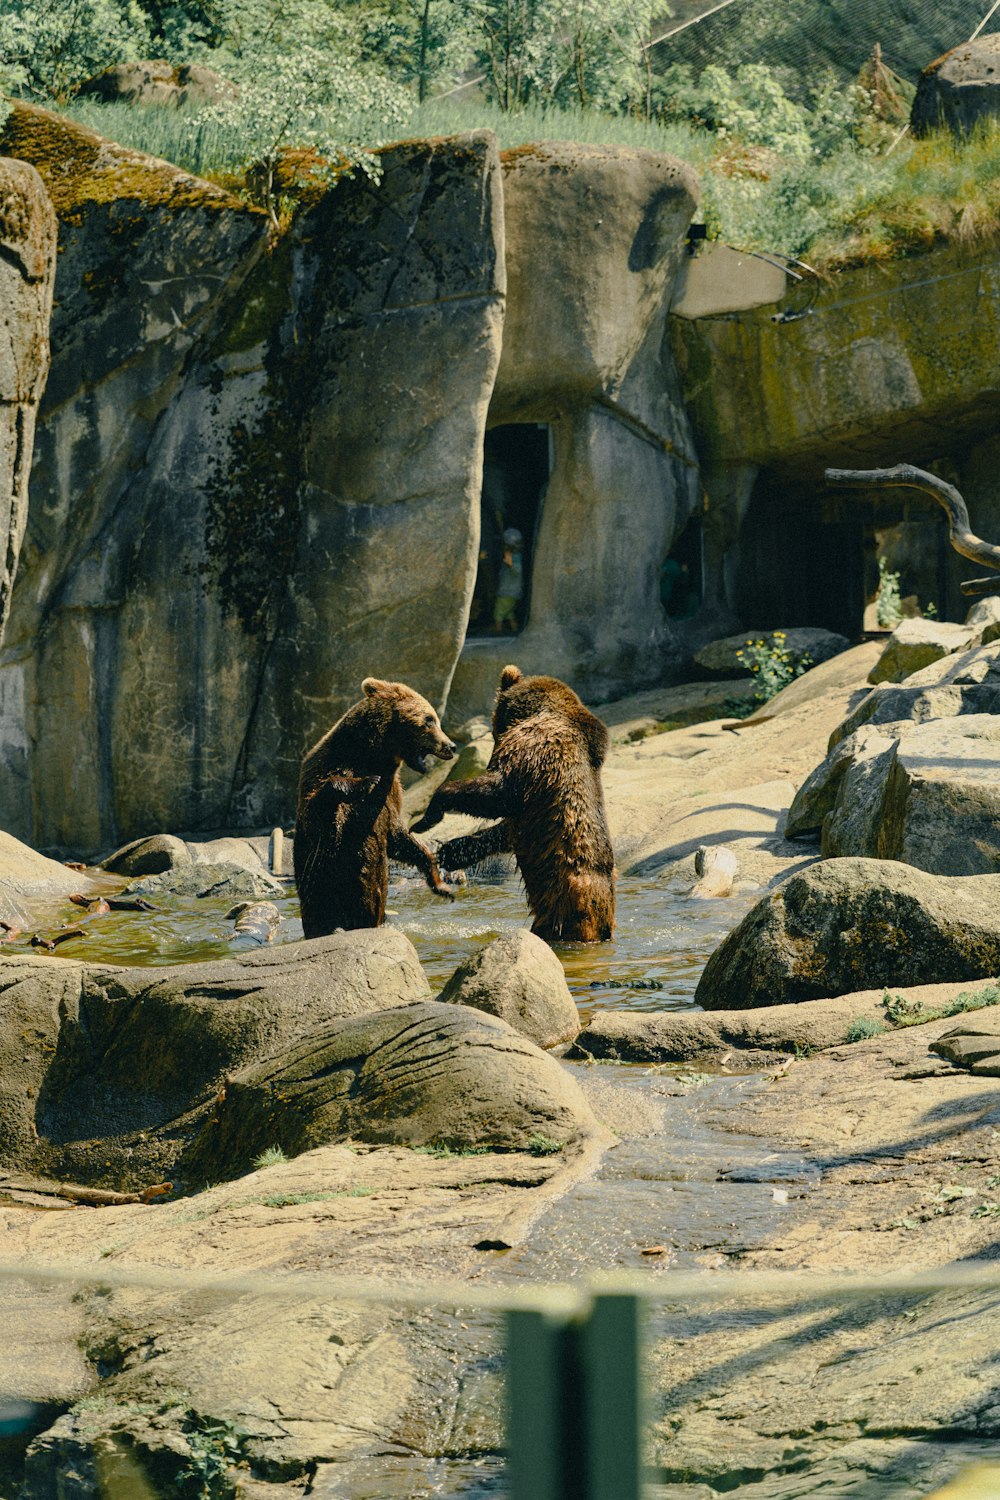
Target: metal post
{"type": "Point", "coordinates": [613, 1402]}
{"type": "Point", "coordinates": [574, 1423]}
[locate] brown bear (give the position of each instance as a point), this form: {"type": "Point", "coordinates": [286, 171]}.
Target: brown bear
{"type": "Point", "coordinates": [349, 819]}
{"type": "Point", "coordinates": [544, 782]}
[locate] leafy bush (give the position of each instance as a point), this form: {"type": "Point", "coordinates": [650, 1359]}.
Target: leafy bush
{"type": "Point", "coordinates": [773, 666]}
{"type": "Point", "coordinates": [889, 608]}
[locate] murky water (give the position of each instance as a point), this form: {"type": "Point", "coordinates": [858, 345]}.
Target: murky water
{"type": "Point", "coordinates": [659, 949]}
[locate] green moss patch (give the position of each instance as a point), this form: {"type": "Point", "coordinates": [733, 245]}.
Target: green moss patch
{"type": "Point", "coordinates": [79, 168]}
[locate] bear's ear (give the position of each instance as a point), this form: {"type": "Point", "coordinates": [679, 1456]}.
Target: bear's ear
{"type": "Point", "coordinates": [373, 685]}
{"type": "Point", "coordinates": [509, 676]}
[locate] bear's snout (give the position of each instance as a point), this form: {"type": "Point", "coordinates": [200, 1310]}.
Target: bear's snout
{"type": "Point", "coordinates": [447, 751]}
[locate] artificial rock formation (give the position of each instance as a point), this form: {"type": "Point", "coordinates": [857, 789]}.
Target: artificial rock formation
{"type": "Point", "coordinates": [594, 243]}
{"type": "Point", "coordinates": [911, 771]}
{"type": "Point", "coordinates": [851, 924]}
{"type": "Point", "coordinates": [257, 479]}
{"type": "Point", "coordinates": [27, 271]}
{"type": "Point", "coordinates": [959, 88]}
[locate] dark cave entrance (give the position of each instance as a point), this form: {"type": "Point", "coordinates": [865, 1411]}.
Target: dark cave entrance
{"type": "Point", "coordinates": [810, 557]}
{"type": "Point", "coordinates": [516, 467]}
{"type": "Point", "coordinates": [682, 572]}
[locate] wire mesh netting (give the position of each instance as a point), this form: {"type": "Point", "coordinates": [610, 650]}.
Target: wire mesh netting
{"type": "Point", "coordinates": [802, 37]}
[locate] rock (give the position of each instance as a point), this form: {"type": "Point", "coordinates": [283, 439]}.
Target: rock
{"type": "Point", "coordinates": [849, 924]}
{"type": "Point", "coordinates": [931, 798]}
{"type": "Point", "coordinates": [984, 615]}
{"type": "Point", "coordinates": [973, 1044]}
{"type": "Point", "coordinates": [723, 656]}
{"type": "Point", "coordinates": [917, 643]}
{"type": "Point", "coordinates": [472, 759]}
{"type": "Point", "coordinates": [518, 978]}
{"type": "Point", "coordinates": [148, 856]}
{"type": "Point", "coordinates": [24, 872]}
{"type": "Point", "coordinates": [256, 921]}
{"type": "Point", "coordinates": [218, 880]}
{"type": "Point", "coordinates": [925, 793]}
{"type": "Point", "coordinates": [965, 683]}
{"type": "Point", "coordinates": [297, 432]}
{"type": "Point", "coordinates": [594, 242]}
{"type": "Point", "coordinates": [428, 1074]}
{"type": "Point", "coordinates": [27, 271]}
{"type": "Point", "coordinates": [472, 729]}
{"type": "Point", "coordinates": [160, 84]}
{"type": "Point", "coordinates": [716, 868]}
{"type": "Point", "coordinates": [764, 1037]}
{"type": "Point", "coordinates": [959, 88]}
{"type": "Point", "coordinates": [105, 1072]}
{"type": "Point", "coordinates": [161, 852]}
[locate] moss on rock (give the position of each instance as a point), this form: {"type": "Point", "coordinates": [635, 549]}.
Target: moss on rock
{"type": "Point", "coordinates": [80, 168]}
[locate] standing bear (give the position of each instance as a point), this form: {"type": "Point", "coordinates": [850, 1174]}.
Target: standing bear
{"type": "Point", "coordinates": [544, 782]}
{"type": "Point", "coordinates": [349, 818]}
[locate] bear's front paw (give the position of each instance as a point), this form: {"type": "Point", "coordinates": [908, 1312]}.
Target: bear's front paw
{"type": "Point", "coordinates": [423, 823]}
{"type": "Point", "coordinates": [445, 891]}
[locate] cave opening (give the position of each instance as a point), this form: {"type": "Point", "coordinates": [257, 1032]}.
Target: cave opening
{"type": "Point", "coordinates": [516, 468]}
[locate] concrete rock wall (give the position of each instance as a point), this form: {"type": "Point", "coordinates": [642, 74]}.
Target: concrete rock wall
{"type": "Point", "coordinates": [595, 238]}
{"type": "Point", "coordinates": [27, 271]}
{"type": "Point", "coordinates": [256, 481]}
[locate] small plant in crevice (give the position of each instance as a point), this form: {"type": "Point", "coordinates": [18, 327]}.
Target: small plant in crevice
{"type": "Point", "coordinates": [901, 1012]}
{"type": "Point", "coordinates": [273, 1156]}
{"type": "Point", "coordinates": [543, 1145]}
{"type": "Point", "coordinates": [443, 1152]}
{"type": "Point", "coordinates": [215, 1448]}
{"type": "Point", "coordinates": [863, 1027]}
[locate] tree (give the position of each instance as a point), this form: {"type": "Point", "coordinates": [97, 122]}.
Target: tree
{"type": "Point", "coordinates": [321, 98]}
{"type": "Point", "coordinates": [417, 41]}
{"type": "Point", "coordinates": [589, 53]}
{"type": "Point", "coordinates": [48, 47]}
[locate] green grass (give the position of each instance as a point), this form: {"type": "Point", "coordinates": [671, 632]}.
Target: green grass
{"type": "Point", "coordinates": [900, 1012]}
{"type": "Point", "coordinates": [863, 1027]}
{"type": "Point", "coordinates": [849, 208]}
{"type": "Point", "coordinates": [273, 1156]}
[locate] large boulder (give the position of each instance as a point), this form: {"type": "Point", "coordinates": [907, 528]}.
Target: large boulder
{"type": "Point", "coordinates": [911, 771]}
{"type": "Point", "coordinates": [428, 1075]}
{"type": "Point", "coordinates": [160, 84]}
{"type": "Point", "coordinates": [594, 242]}
{"type": "Point", "coordinates": [726, 656]}
{"type": "Point", "coordinates": [966, 683]}
{"type": "Point", "coordinates": [851, 924]}
{"type": "Point", "coordinates": [959, 88]}
{"type": "Point", "coordinates": [27, 272]}
{"type": "Point", "coordinates": [918, 643]}
{"type": "Point", "coordinates": [929, 797]}
{"type": "Point", "coordinates": [101, 1066]}
{"type": "Point", "coordinates": [258, 472]}
{"type": "Point", "coordinates": [518, 978]}
{"type": "Point", "coordinates": [25, 872]}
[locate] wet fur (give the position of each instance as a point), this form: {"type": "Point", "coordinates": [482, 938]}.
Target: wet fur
{"type": "Point", "coordinates": [544, 782]}
{"type": "Point", "coordinates": [349, 819]}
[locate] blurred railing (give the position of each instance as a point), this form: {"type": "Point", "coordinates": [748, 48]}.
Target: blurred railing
{"type": "Point", "coordinates": [576, 1403]}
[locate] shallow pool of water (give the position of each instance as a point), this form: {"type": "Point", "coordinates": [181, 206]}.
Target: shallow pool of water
{"type": "Point", "coordinates": [653, 962]}
{"type": "Point", "coordinates": [659, 949]}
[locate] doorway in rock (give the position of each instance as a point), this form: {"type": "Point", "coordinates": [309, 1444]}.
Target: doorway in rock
{"type": "Point", "coordinates": [516, 467]}
{"type": "Point", "coordinates": [682, 573]}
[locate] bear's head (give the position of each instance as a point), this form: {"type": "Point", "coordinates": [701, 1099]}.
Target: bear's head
{"type": "Point", "coordinates": [521, 698]}
{"type": "Point", "coordinates": [408, 722]}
